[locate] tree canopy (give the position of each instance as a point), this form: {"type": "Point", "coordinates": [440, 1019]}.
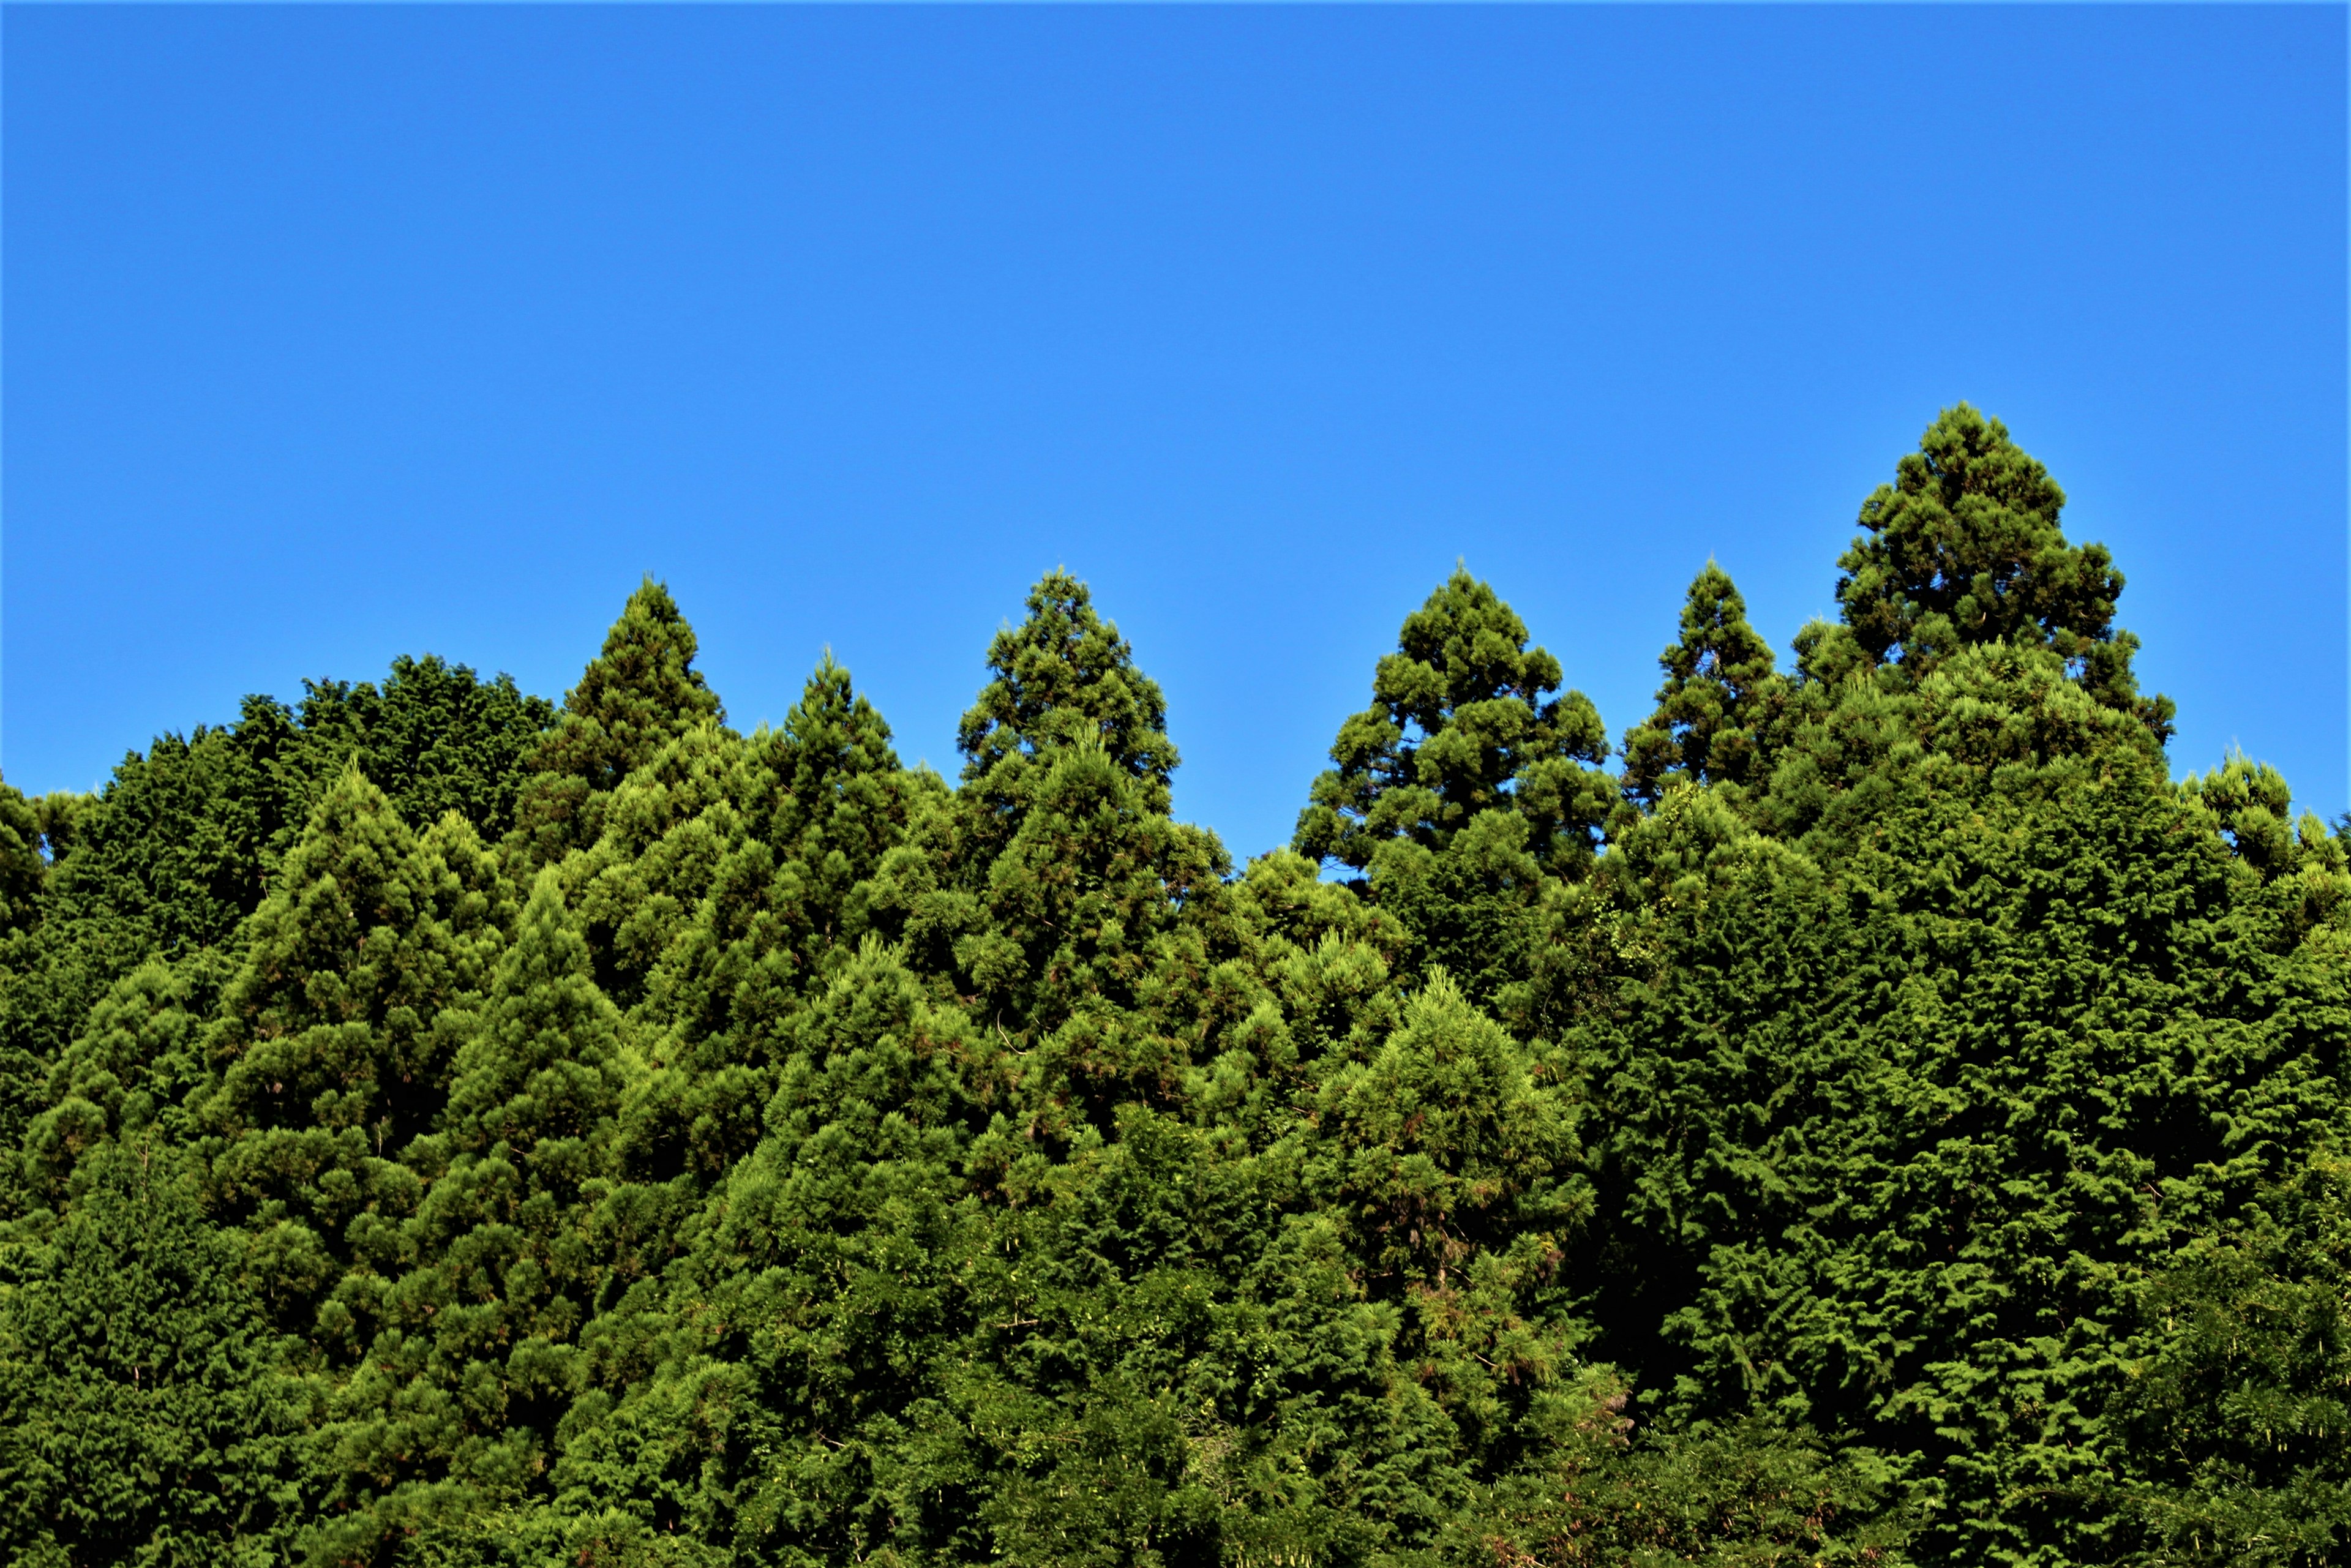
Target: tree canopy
{"type": "Point", "coordinates": [1873, 1112]}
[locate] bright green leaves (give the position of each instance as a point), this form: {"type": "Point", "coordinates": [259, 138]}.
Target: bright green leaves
{"type": "Point", "coordinates": [1462, 722]}
{"type": "Point", "coordinates": [640, 693]}
{"type": "Point", "coordinates": [2307, 867]}
{"type": "Point", "coordinates": [137, 1059]}
{"type": "Point", "coordinates": [2239, 1418]}
{"type": "Point", "coordinates": [1451, 1140]}
{"type": "Point", "coordinates": [477, 1357]}
{"type": "Point", "coordinates": [335, 1040]}
{"type": "Point", "coordinates": [542, 1072]}
{"type": "Point", "coordinates": [826, 1265]}
{"type": "Point", "coordinates": [1054, 882]}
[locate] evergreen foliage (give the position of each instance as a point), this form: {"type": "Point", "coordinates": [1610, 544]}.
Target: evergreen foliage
{"type": "Point", "coordinates": [146, 1414]}
{"type": "Point", "coordinates": [1722, 692]}
{"type": "Point", "coordinates": [1889, 1121]}
{"type": "Point", "coordinates": [639, 692]}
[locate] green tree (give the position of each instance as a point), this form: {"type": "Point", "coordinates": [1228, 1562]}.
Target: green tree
{"type": "Point", "coordinates": [641, 691]}
{"type": "Point", "coordinates": [1891, 1139]}
{"type": "Point", "coordinates": [335, 1040]}
{"type": "Point", "coordinates": [132, 1069]}
{"type": "Point", "coordinates": [1721, 697]}
{"type": "Point", "coordinates": [732, 881]}
{"type": "Point", "coordinates": [1462, 722]}
{"type": "Point", "coordinates": [2238, 1420]}
{"type": "Point", "coordinates": [1053, 889]}
{"type": "Point", "coordinates": [144, 1414]}
{"type": "Point", "coordinates": [1466, 791]}
{"type": "Point", "coordinates": [455, 1409]}
{"type": "Point", "coordinates": [819, 1300]}
{"type": "Point", "coordinates": [180, 846]}
{"type": "Point", "coordinates": [1964, 547]}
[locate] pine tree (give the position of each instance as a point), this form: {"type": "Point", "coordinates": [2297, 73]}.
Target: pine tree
{"type": "Point", "coordinates": [1064, 678]}
{"type": "Point", "coordinates": [1964, 547]}
{"type": "Point", "coordinates": [1452, 1160]}
{"type": "Point", "coordinates": [181, 846]}
{"type": "Point", "coordinates": [22, 873]}
{"type": "Point", "coordinates": [1462, 723]}
{"type": "Point", "coordinates": [1055, 887]}
{"type": "Point", "coordinates": [769, 897]}
{"type": "Point", "coordinates": [1466, 789]}
{"type": "Point", "coordinates": [1891, 1138]}
{"type": "Point", "coordinates": [456, 1409]}
{"type": "Point", "coordinates": [1720, 696]}
{"type": "Point", "coordinates": [131, 1072]}
{"type": "Point", "coordinates": [640, 693]}
{"type": "Point", "coordinates": [335, 1040]}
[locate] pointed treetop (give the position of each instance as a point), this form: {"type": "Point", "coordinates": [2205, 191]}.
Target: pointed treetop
{"type": "Point", "coordinates": [541, 1062]}
{"type": "Point", "coordinates": [1461, 716]}
{"type": "Point", "coordinates": [1064, 676]}
{"type": "Point", "coordinates": [1720, 679]}
{"type": "Point", "coordinates": [834, 729]}
{"type": "Point", "coordinates": [641, 692]}
{"type": "Point", "coordinates": [1964, 547]}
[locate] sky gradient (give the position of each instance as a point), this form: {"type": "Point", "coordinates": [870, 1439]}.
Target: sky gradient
{"type": "Point", "coordinates": [332, 334]}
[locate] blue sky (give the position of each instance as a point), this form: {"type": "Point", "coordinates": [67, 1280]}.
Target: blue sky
{"type": "Point", "coordinates": [336, 333]}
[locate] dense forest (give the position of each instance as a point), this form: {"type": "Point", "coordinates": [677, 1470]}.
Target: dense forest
{"type": "Point", "coordinates": [1867, 1112]}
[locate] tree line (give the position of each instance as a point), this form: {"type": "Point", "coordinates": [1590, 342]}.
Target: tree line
{"type": "Point", "coordinates": [1867, 1113]}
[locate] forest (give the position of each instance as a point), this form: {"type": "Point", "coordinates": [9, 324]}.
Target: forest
{"type": "Point", "coordinates": [1866, 1112]}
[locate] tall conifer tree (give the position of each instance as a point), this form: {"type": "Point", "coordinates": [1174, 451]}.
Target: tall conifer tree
{"type": "Point", "coordinates": [335, 1040]}
{"type": "Point", "coordinates": [457, 1407]}
{"type": "Point", "coordinates": [641, 691]}
{"type": "Point", "coordinates": [1720, 696]}
{"type": "Point", "coordinates": [1464, 720]}
{"type": "Point", "coordinates": [1964, 547]}
{"type": "Point", "coordinates": [1046, 883]}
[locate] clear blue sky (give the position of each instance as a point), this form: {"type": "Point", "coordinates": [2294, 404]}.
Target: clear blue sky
{"type": "Point", "coordinates": [338, 334]}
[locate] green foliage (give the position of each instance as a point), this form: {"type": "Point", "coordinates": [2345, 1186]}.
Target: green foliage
{"type": "Point", "coordinates": [1964, 547]}
{"type": "Point", "coordinates": [143, 1414]}
{"type": "Point", "coordinates": [1462, 722]}
{"type": "Point", "coordinates": [23, 868]}
{"type": "Point", "coordinates": [1466, 789]}
{"type": "Point", "coordinates": [334, 1043]}
{"type": "Point", "coordinates": [437, 738]}
{"type": "Point", "coordinates": [1721, 697]}
{"type": "Point", "coordinates": [179, 848]}
{"type": "Point", "coordinates": [477, 1357]}
{"type": "Point", "coordinates": [641, 691]}
{"type": "Point", "coordinates": [1891, 1122]}
{"type": "Point", "coordinates": [2239, 1418]}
